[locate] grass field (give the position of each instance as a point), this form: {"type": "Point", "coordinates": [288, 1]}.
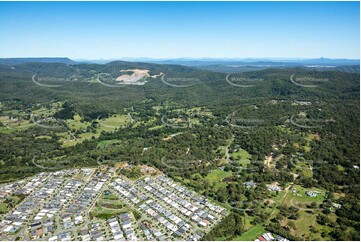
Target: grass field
{"type": "Point", "coordinates": [156, 127]}
{"type": "Point", "coordinates": [13, 112]}
{"type": "Point", "coordinates": [12, 125]}
{"type": "Point", "coordinates": [304, 168]}
{"type": "Point", "coordinates": [43, 137]}
{"type": "Point", "coordinates": [299, 198]}
{"type": "Point", "coordinates": [67, 139]}
{"type": "Point", "coordinates": [251, 234]}
{"type": "Point", "coordinates": [197, 110]}
{"type": "Point", "coordinates": [111, 204]}
{"type": "Point", "coordinates": [307, 217]}
{"type": "Point", "coordinates": [222, 150]}
{"type": "Point", "coordinates": [241, 156]}
{"type": "Point", "coordinates": [108, 125]}
{"type": "Point", "coordinates": [309, 138]}
{"type": "Point", "coordinates": [303, 198]}
{"type": "Point", "coordinates": [105, 143]}
{"type": "Point", "coordinates": [104, 213]}
{"type": "Point", "coordinates": [46, 112]}
{"type": "Point", "coordinates": [3, 208]}
{"type": "Point", "coordinates": [194, 121]}
{"type": "Point", "coordinates": [303, 225]}
{"type": "Point", "coordinates": [217, 175]}
{"type": "Point", "coordinates": [114, 122]}
{"type": "Point", "coordinates": [151, 121]}
{"type": "Point", "coordinates": [89, 135]}
{"type": "Point", "coordinates": [16, 199]}
{"type": "Point", "coordinates": [76, 124]}
{"type": "Point", "coordinates": [110, 196]}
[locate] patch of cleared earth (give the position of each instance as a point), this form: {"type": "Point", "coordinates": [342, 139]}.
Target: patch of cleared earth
{"type": "Point", "coordinates": [138, 77]}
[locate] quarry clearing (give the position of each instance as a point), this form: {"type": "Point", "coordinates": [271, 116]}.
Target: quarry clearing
{"type": "Point", "coordinates": [138, 77]}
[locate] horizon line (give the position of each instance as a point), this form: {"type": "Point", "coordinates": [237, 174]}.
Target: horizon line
{"type": "Point", "coordinates": [187, 58]}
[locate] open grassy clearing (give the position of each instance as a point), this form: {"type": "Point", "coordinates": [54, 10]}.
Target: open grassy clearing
{"type": "Point", "coordinates": [48, 111]}
{"type": "Point", "coordinates": [157, 127]}
{"type": "Point", "coordinates": [151, 121]}
{"type": "Point", "coordinates": [216, 177]}
{"type": "Point", "coordinates": [113, 122]}
{"type": "Point", "coordinates": [89, 135]}
{"type": "Point", "coordinates": [108, 125]}
{"type": "Point", "coordinates": [102, 213]}
{"type": "Point", "coordinates": [307, 217]}
{"type": "Point", "coordinates": [169, 137]}
{"type": "Point", "coordinates": [16, 199]}
{"type": "Point", "coordinates": [199, 110]}
{"type": "Point", "coordinates": [44, 112]}
{"type": "Point", "coordinates": [194, 121]}
{"type": "Point", "coordinates": [302, 168]}
{"type": "Point", "coordinates": [136, 124]}
{"type": "Point", "coordinates": [195, 111]}
{"type": "Point", "coordinates": [241, 157]}
{"type": "Point", "coordinates": [222, 150]}
{"type": "Point", "coordinates": [186, 117]}
{"type": "Point", "coordinates": [13, 124]}
{"type": "Point", "coordinates": [13, 112]}
{"type": "Point", "coordinates": [309, 138]}
{"type": "Point", "coordinates": [43, 137]}
{"type": "Point", "coordinates": [303, 226]}
{"type": "Point", "coordinates": [105, 143]}
{"type": "Point", "coordinates": [76, 123]}
{"type": "Point", "coordinates": [300, 195]}
{"type": "Point", "coordinates": [106, 213]}
{"type": "Point", "coordinates": [3, 208]}
{"type": "Point", "coordinates": [247, 222]}
{"type": "Point", "coordinates": [111, 203]}
{"type": "Point", "coordinates": [251, 234]}
{"type": "Point", "coordinates": [68, 140]}
{"type": "Point", "coordinates": [110, 196]}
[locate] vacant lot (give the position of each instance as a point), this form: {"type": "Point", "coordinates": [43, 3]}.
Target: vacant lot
{"type": "Point", "coordinates": [106, 213]}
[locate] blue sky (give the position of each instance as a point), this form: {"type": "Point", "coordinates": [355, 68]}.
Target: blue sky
{"type": "Point", "coordinates": [94, 30]}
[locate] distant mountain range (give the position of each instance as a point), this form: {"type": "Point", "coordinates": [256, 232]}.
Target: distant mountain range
{"type": "Point", "coordinates": [252, 61]}
{"type": "Point", "coordinates": [16, 61]}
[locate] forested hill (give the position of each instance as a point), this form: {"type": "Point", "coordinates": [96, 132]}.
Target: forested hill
{"type": "Point", "coordinates": [202, 85]}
